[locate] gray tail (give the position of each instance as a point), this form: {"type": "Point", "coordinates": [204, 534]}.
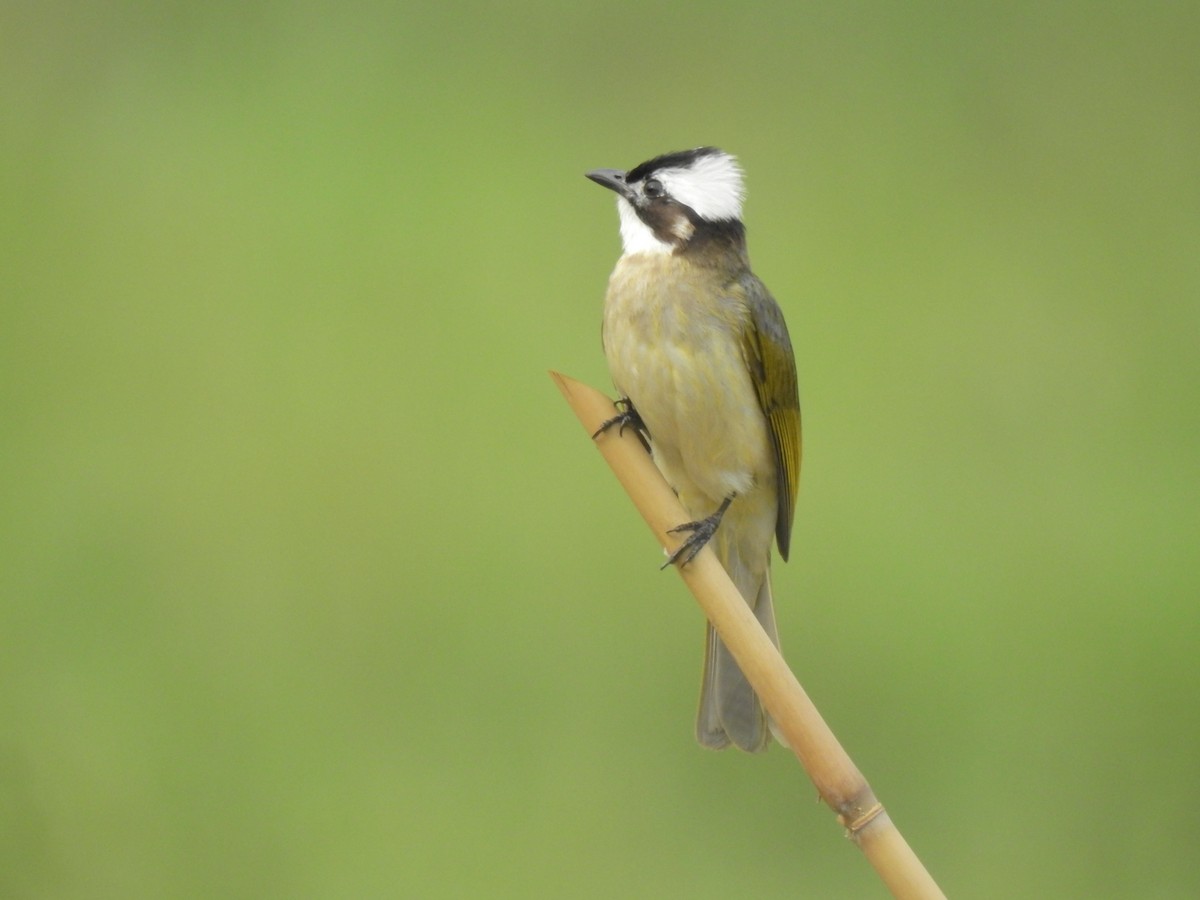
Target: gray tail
{"type": "Point", "coordinates": [729, 709]}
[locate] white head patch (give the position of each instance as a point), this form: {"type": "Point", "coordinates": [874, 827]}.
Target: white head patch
{"type": "Point", "coordinates": [711, 185]}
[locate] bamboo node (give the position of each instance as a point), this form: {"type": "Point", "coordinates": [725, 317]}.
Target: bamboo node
{"type": "Point", "coordinates": [863, 820]}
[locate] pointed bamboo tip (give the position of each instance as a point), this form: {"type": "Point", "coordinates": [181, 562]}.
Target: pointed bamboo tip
{"type": "Point", "coordinates": [567, 385]}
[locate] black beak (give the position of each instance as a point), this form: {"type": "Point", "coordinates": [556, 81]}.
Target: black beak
{"type": "Point", "coordinates": [614, 180]}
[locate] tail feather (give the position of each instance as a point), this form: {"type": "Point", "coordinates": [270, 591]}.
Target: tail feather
{"type": "Point", "coordinates": [730, 711]}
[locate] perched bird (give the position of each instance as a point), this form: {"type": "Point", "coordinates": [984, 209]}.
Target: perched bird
{"type": "Point", "coordinates": [700, 355]}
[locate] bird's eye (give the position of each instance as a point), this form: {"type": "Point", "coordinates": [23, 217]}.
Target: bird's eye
{"type": "Point", "coordinates": [654, 189]}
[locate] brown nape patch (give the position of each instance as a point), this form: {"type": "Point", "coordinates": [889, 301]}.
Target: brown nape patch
{"type": "Point", "coordinates": [721, 238]}
{"type": "Point", "coordinates": [680, 227]}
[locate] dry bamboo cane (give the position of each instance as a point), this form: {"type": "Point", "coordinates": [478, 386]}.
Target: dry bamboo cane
{"type": "Point", "coordinates": [837, 780]}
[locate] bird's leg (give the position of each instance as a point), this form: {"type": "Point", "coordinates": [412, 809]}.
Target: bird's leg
{"type": "Point", "coordinates": [701, 533]}
{"type": "Point", "coordinates": [626, 417]}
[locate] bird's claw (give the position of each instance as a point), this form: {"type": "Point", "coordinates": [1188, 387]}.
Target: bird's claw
{"type": "Point", "coordinates": [701, 534]}
{"type": "Point", "coordinates": [626, 417]}
{"type": "Point", "coordinates": [701, 530]}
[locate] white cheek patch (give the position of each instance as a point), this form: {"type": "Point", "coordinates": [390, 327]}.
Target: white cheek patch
{"type": "Point", "coordinates": [683, 229]}
{"type": "Point", "coordinates": [712, 186]}
{"type": "Point", "coordinates": [636, 235]}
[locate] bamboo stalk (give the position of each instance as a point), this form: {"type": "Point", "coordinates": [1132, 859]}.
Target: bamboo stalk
{"type": "Point", "coordinates": [837, 779]}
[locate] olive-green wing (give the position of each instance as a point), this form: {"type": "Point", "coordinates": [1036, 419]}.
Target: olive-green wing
{"type": "Point", "coordinates": [768, 352]}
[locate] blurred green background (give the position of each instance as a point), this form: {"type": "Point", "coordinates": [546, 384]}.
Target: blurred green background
{"type": "Point", "coordinates": [312, 586]}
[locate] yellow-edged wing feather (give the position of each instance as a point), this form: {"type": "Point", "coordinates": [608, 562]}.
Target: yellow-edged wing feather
{"type": "Point", "coordinates": [768, 353]}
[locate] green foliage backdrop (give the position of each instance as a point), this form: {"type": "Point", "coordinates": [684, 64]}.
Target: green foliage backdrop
{"type": "Point", "coordinates": [310, 585]}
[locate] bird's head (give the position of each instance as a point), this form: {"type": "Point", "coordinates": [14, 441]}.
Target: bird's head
{"type": "Point", "coordinates": [677, 200]}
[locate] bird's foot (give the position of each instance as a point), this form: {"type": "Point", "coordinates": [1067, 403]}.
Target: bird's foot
{"type": "Point", "coordinates": [701, 533]}
{"type": "Point", "coordinates": [626, 417]}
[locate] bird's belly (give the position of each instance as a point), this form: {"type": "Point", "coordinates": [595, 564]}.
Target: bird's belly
{"type": "Point", "coordinates": [685, 374]}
